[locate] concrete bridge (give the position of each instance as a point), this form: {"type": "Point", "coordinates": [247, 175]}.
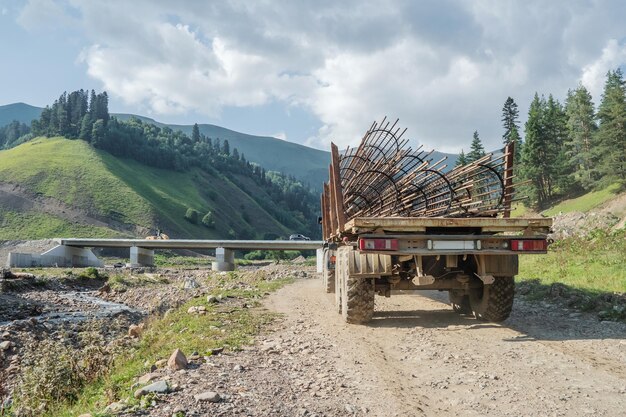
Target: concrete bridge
{"type": "Point", "coordinates": [77, 252]}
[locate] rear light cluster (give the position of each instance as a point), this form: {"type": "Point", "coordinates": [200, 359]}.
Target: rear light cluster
{"type": "Point", "coordinates": [378, 244]}
{"type": "Point", "coordinates": [529, 245]}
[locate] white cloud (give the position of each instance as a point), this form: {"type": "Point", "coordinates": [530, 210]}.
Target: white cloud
{"type": "Point", "coordinates": [594, 74]}
{"type": "Point", "coordinates": [41, 15]}
{"type": "Point", "coordinates": [445, 68]}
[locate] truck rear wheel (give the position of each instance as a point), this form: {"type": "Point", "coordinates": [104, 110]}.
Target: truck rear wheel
{"type": "Point", "coordinates": [328, 275]}
{"type": "Point", "coordinates": [357, 301]}
{"type": "Point", "coordinates": [460, 303]}
{"type": "Point", "coordinates": [493, 302]}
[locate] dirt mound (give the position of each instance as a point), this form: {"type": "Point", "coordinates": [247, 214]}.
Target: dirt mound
{"type": "Point", "coordinates": [609, 216]}
{"type": "Point", "coordinates": [580, 224]}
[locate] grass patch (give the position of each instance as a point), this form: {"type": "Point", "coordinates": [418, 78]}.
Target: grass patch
{"type": "Point", "coordinates": [585, 202]}
{"type": "Point", "coordinates": [36, 225]}
{"type": "Point", "coordinates": [229, 324]}
{"type": "Point", "coordinates": [122, 282]}
{"type": "Point", "coordinates": [519, 210]}
{"type": "Point", "coordinates": [168, 260]}
{"type": "Point", "coordinates": [588, 271]}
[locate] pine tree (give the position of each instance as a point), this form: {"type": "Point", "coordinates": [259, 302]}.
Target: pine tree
{"type": "Point", "coordinates": [612, 129]}
{"type": "Point", "coordinates": [534, 153]}
{"type": "Point", "coordinates": [85, 128]}
{"type": "Point", "coordinates": [510, 119]}
{"type": "Point", "coordinates": [581, 130]}
{"type": "Point", "coordinates": [477, 150]}
{"type": "Point", "coordinates": [226, 147]}
{"type": "Point", "coordinates": [555, 129]}
{"type": "Point", "coordinates": [543, 152]}
{"type": "Point", "coordinates": [461, 160]}
{"type": "Point", "coordinates": [195, 133]}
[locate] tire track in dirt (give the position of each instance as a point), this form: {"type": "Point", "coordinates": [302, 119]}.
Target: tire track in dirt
{"type": "Point", "coordinates": [417, 357]}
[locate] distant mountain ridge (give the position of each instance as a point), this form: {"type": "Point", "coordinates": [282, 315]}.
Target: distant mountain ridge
{"type": "Point", "coordinates": [306, 164]}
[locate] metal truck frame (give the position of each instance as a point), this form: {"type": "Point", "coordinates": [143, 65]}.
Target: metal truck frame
{"type": "Point", "coordinates": [474, 259]}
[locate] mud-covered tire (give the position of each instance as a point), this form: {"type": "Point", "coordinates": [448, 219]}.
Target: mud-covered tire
{"type": "Point", "coordinates": [493, 302]}
{"type": "Point", "coordinates": [328, 275]}
{"type": "Point", "coordinates": [460, 303]}
{"type": "Point", "coordinates": [357, 302]}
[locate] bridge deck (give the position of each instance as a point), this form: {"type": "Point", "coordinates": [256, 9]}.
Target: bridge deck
{"type": "Point", "coordinates": [193, 244]}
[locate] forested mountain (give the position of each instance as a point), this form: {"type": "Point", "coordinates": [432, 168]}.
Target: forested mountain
{"type": "Point", "coordinates": [84, 116]}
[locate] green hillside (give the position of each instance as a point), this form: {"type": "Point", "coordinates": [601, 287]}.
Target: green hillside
{"type": "Point", "coordinates": [307, 164]}
{"type": "Point", "coordinates": [128, 197]}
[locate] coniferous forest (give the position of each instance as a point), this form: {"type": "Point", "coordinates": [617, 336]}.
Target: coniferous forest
{"type": "Point", "coordinates": [568, 149]}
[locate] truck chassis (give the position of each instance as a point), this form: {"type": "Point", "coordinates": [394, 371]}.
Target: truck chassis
{"type": "Point", "coordinates": [473, 259]}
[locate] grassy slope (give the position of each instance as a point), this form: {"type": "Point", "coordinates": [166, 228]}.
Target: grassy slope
{"type": "Point", "coordinates": [593, 267]}
{"type": "Point", "coordinates": [596, 264]}
{"type": "Point", "coordinates": [124, 190]}
{"type": "Point", "coordinates": [585, 202]}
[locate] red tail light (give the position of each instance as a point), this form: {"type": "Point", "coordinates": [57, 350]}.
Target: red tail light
{"type": "Point", "coordinates": [529, 245]}
{"type": "Point", "coordinates": [378, 244]}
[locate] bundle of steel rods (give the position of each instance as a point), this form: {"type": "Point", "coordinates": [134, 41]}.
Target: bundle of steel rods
{"type": "Point", "coordinates": [383, 176]}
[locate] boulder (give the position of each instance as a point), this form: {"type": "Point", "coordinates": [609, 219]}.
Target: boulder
{"type": "Point", "coordinates": [177, 360]}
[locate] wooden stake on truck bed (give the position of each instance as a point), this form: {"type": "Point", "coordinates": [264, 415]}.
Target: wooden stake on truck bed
{"type": "Point", "coordinates": [331, 202]}
{"type": "Point", "coordinates": [336, 187]}
{"type": "Point", "coordinates": [509, 158]}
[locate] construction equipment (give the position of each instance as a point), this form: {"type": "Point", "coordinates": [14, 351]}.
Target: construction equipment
{"type": "Point", "coordinates": [394, 219]}
{"type": "Point", "coordinates": [158, 236]}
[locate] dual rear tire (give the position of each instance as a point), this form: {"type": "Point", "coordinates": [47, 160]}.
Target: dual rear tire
{"type": "Point", "coordinates": [354, 297]}
{"type": "Point", "coordinates": [492, 302]}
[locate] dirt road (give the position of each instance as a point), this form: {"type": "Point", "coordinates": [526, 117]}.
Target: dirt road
{"type": "Point", "coordinates": [417, 357]}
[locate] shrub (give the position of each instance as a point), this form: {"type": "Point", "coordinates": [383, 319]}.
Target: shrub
{"type": "Point", "coordinates": [208, 220]}
{"type": "Point", "coordinates": [256, 255]}
{"type": "Point", "coordinates": [192, 216]}
{"type": "Point", "coordinates": [292, 254]}
{"type": "Point", "coordinates": [91, 273]}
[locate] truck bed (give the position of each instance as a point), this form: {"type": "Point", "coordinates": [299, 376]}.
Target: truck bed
{"type": "Point", "coordinates": [534, 225]}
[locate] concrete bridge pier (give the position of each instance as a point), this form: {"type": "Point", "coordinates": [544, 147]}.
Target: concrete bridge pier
{"type": "Point", "coordinates": [224, 260]}
{"type": "Point", "coordinates": [141, 257]}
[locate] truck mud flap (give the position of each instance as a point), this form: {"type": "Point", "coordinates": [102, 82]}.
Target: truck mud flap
{"type": "Point", "coordinates": [368, 265]}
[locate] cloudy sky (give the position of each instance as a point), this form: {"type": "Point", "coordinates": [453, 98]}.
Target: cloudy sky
{"type": "Point", "coordinates": [313, 71]}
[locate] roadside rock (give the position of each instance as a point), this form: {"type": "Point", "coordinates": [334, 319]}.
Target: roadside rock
{"type": "Point", "coordinates": [116, 407]}
{"type": "Point", "coordinates": [159, 387]}
{"type": "Point", "coordinates": [147, 378]}
{"type": "Point", "coordinates": [210, 396]}
{"type": "Point", "coordinates": [177, 360]}
{"type": "Point", "coordinates": [135, 330]}
{"type": "Point", "coordinates": [6, 345]}
{"type": "Point", "coordinates": [197, 310]}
